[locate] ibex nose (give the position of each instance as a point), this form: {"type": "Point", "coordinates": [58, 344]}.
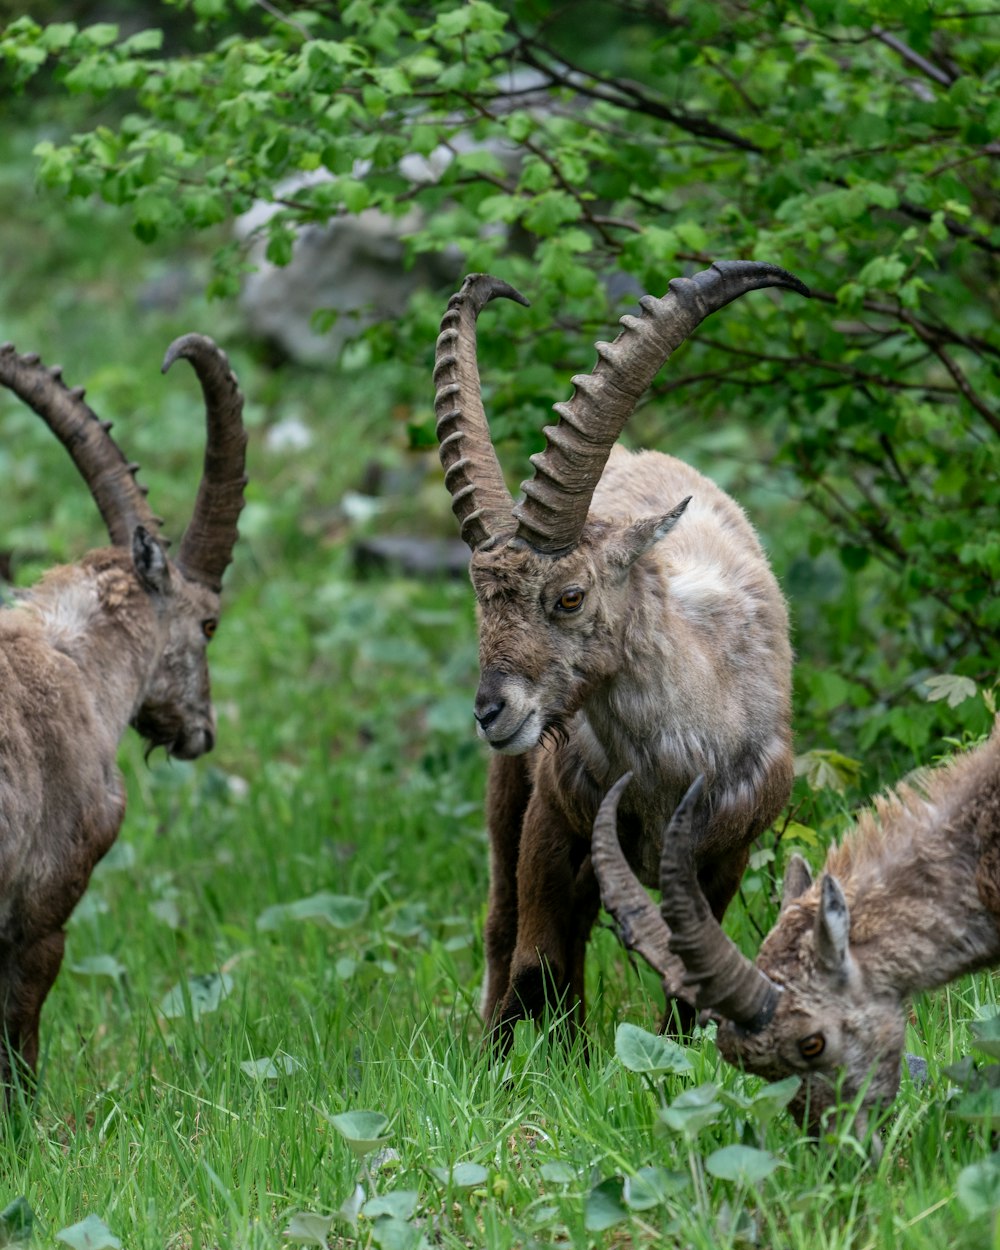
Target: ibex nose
{"type": "Point", "coordinates": [487, 710]}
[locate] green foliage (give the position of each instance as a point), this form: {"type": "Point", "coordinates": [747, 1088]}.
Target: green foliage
{"type": "Point", "coordinates": [852, 143]}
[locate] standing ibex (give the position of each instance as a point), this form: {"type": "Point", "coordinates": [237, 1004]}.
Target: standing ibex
{"type": "Point", "coordinates": [116, 639]}
{"type": "Point", "coordinates": [909, 901]}
{"type": "Point", "coordinates": [605, 645]}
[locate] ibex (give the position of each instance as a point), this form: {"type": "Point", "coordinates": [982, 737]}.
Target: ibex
{"type": "Point", "coordinates": [116, 639]}
{"type": "Point", "coordinates": [628, 621]}
{"type": "Point", "coordinates": [909, 901]}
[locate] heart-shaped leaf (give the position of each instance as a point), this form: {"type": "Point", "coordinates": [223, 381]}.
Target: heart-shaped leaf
{"type": "Point", "coordinates": [16, 1222]}
{"type": "Point", "coordinates": [745, 1164]}
{"type": "Point", "coordinates": [341, 911]}
{"type": "Point", "coordinates": [89, 1234]}
{"type": "Point", "coordinates": [309, 1229]}
{"type": "Point", "coordinates": [651, 1186]}
{"type": "Point", "coordinates": [399, 1203]}
{"type": "Point", "coordinates": [364, 1131]}
{"type": "Point", "coordinates": [604, 1207]}
{"type": "Point", "coordinates": [978, 1187]}
{"type": "Point", "coordinates": [204, 993]}
{"type": "Point", "coordinates": [462, 1175]}
{"type": "Point", "coordinates": [649, 1053]}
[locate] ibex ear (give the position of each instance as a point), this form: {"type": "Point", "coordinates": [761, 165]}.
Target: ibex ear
{"type": "Point", "coordinates": [798, 879]}
{"type": "Point", "coordinates": [150, 563]}
{"type": "Point", "coordinates": [638, 537]}
{"type": "Point", "coordinates": [833, 926]}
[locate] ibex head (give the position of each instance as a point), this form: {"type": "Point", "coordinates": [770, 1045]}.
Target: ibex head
{"type": "Point", "coordinates": [175, 709]}
{"type": "Point", "coordinates": [550, 579]}
{"type": "Point", "coordinates": [805, 1007]}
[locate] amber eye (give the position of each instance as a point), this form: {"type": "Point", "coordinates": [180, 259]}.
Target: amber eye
{"type": "Point", "coordinates": [571, 600]}
{"type": "Point", "coordinates": [812, 1047]}
{"type": "Point", "coordinates": [209, 627]}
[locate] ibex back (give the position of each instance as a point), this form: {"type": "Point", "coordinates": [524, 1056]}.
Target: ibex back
{"type": "Point", "coordinates": [628, 620]}
{"type": "Point", "coordinates": [116, 639]}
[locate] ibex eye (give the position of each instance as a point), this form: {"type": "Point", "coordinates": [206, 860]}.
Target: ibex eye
{"type": "Point", "coordinates": [812, 1047]}
{"type": "Point", "coordinates": [570, 600]}
{"type": "Point", "coordinates": [209, 627]}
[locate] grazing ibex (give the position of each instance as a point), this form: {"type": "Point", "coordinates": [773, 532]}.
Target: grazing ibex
{"type": "Point", "coordinates": [606, 645]}
{"type": "Point", "coordinates": [116, 639]}
{"type": "Point", "coordinates": [909, 901]}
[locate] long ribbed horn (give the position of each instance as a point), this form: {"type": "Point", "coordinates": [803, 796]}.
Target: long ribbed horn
{"type": "Point", "coordinates": [479, 495]}
{"type": "Point", "coordinates": [207, 546]}
{"type": "Point", "coordinates": [109, 476]}
{"type": "Point", "coordinates": [640, 925]}
{"type": "Point", "coordinates": [557, 499]}
{"type": "Point", "coordinates": [724, 979]}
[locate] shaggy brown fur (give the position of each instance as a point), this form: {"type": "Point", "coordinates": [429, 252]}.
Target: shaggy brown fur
{"type": "Point", "coordinates": [907, 902]}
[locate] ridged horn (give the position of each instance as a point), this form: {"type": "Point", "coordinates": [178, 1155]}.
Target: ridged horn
{"type": "Point", "coordinates": [108, 475]}
{"type": "Point", "coordinates": [640, 925]}
{"type": "Point", "coordinates": [207, 546]}
{"type": "Point", "coordinates": [724, 979]}
{"type": "Point", "coordinates": [479, 495]}
{"type": "Point", "coordinates": [557, 498]}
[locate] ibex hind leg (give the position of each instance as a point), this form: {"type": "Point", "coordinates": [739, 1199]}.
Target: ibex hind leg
{"type": "Point", "coordinates": [507, 793]}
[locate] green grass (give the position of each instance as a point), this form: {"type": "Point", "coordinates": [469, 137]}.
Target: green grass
{"type": "Point", "coordinates": [346, 764]}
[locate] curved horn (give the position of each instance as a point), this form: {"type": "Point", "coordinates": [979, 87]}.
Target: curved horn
{"type": "Point", "coordinates": [640, 924]}
{"type": "Point", "coordinates": [479, 495]}
{"type": "Point", "coordinates": [557, 498]}
{"type": "Point", "coordinates": [109, 476]}
{"type": "Point", "coordinates": [725, 980]}
{"type": "Point", "coordinates": [207, 546]}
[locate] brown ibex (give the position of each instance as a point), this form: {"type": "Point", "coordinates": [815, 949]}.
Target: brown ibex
{"type": "Point", "coordinates": [909, 901]}
{"type": "Point", "coordinates": [116, 639]}
{"type": "Point", "coordinates": [605, 645]}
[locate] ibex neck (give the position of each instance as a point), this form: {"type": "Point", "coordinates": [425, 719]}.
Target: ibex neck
{"type": "Point", "coordinates": [99, 618]}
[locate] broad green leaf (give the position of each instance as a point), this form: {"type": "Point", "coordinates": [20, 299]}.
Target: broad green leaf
{"type": "Point", "coordinates": [270, 1069]}
{"type": "Point", "coordinates": [99, 966]}
{"type": "Point", "coordinates": [204, 994]}
{"type": "Point", "coordinates": [559, 1172]}
{"type": "Point", "coordinates": [978, 1187]}
{"type": "Point", "coordinates": [692, 1110]}
{"type": "Point", "coordinates": [652, 1186]}
{"type": "Point", "coordinates": [745, 1164]}
{"type": "Point", "coordinates": [462, 1175]}
{"type": "Point", "coordinates": [649, 1053]}
{"type": "Point", "coordinates": [364, 1131]}
{"type": "Point", "coordinates": [89, 1234]}
{"type": "Point", "coordinates": [603, 1208]}
{"type": "Point", "coordinates": [16, 1222]}
{"type": "Point", "coordinates": [309, 1229]}
{"type": "Point", "coordinates": [342, 911]}
{"type": "Point", "coordinates": [399, 1203]}
{"type": "Point", "coordinates": [986, 1035]}
{"type": "Point", "coordinates": [390, 1233]}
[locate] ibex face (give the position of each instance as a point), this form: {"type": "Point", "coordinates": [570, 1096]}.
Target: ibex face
{"type": "Point", "coordinates": [176, 709]}
{"type": "Point", "coordinates": [830, 1026]}
{"type": "Point", "coordinates": [551, 628]}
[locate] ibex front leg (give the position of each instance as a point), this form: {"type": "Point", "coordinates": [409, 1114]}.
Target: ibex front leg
{"type": "Point", "coordinates": [546, 966]}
